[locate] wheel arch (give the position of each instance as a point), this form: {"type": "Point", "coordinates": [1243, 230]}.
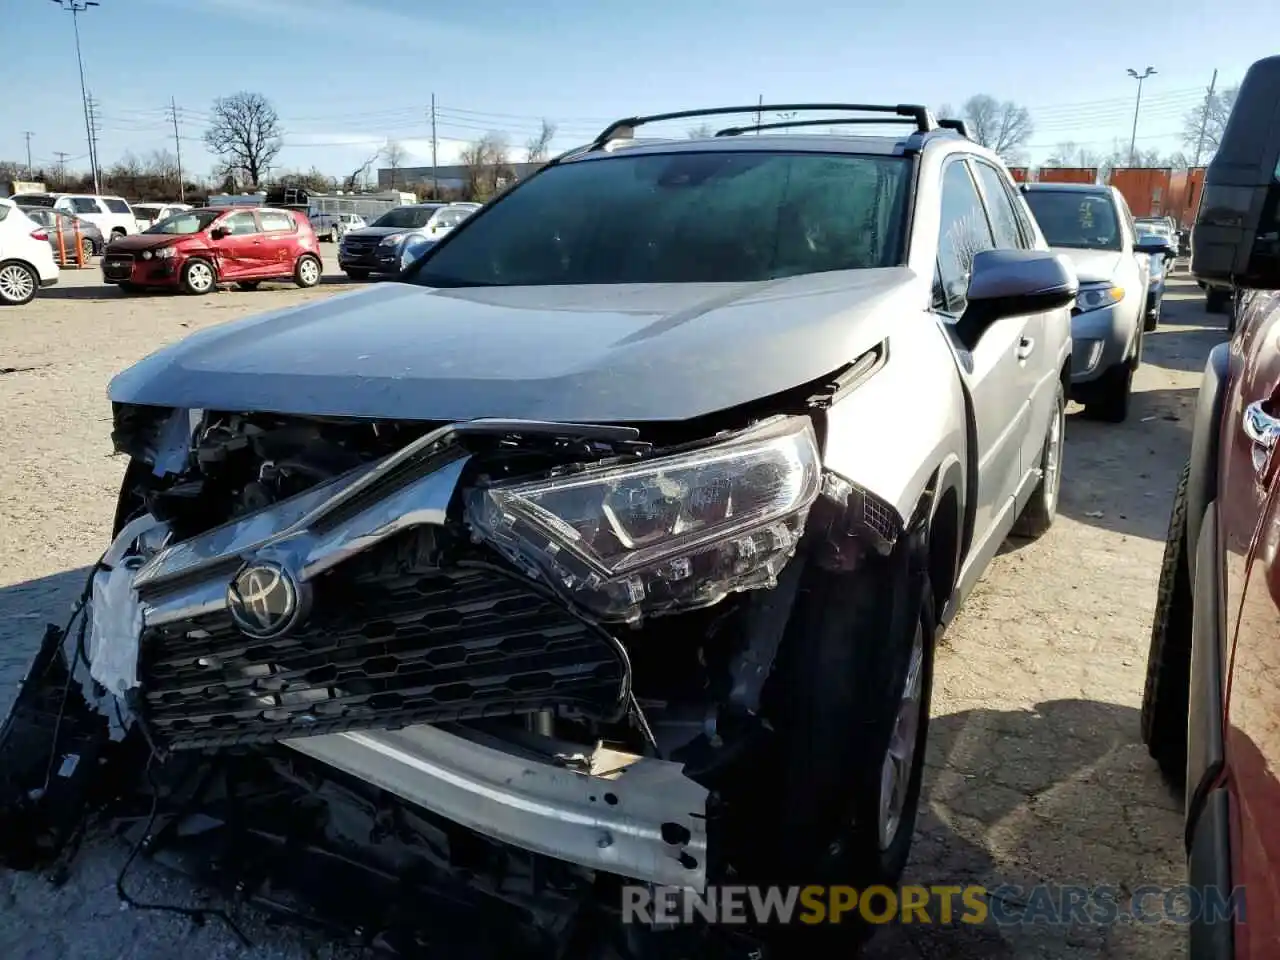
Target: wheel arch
{"type": "Point", "coordinates": [1202, 477]}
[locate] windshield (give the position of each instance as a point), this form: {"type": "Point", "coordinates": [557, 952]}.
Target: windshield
{"type": "Point", "coordinates": [145, 211]}
{"type": "Point", "coordinates": [1085, 221]}
{"type": "Point", "coordinates": [36, 199]}
{"type": "Point", "coordinates": [683, 218]}
{"type": "Point", "coordinates": [406, 217]}
{"type": "Point", "coordinates": [192, 221]}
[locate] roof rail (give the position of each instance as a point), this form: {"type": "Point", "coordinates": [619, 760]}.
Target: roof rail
{"type": "Point", "coordinates": [829, 122]}
{"type": "Point", "coordinates": [626, 129]}
{"type": "Point", "coordinates": [959, 126]}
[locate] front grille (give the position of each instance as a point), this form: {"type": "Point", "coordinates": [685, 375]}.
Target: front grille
{"type": "Point", "coordinates": [118, 266]}
{"type": "Point", "coordinates": [361, 247]}
{"type": "Point", "coordinates": [380, 649]}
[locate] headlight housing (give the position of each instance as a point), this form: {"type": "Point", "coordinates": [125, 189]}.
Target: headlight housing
{"type": "Point", "coordinates": [392, 239]}
{"type": "Point", "coordinates": [166, 253]}
{"type": "Point", "coordinates": [1096, 296]}
{"type": "Point", "coordinates": [666, 534]}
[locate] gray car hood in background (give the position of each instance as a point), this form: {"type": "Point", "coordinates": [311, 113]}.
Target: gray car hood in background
{"type": "Point", "coordinates": [1092, 266]}
{"type": "Point", "coordinates": [589, 353]}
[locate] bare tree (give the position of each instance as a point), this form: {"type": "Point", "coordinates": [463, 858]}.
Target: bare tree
{"type": "Point", "coordinates": [1211, 113]}
{"type": "Point", "coordinates": [1071, 154]}
{"type": "Point", "coordinates": [1001, 126]}
{"type": "Point", "coordinates": [536, 147]}
{"type": "Point", "coordinates": [394, 154]}
{"type": "Point", "coordinates": [700, 131]}
{"type": "Point", "coordinates": [356, 179]}
{"type": "Point", "coordinates": [487, 164]}
{"type": "Point", "coordinates": [245, 132]}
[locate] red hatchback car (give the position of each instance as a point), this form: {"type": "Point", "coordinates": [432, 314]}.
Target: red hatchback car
{"type": "Point", "coordinates": [1211, 708]}
{"type": "Point", "coordinates": [198, 249]}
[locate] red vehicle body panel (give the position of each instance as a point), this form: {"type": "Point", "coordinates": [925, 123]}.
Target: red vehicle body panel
{"type": "Point", "coordinates": [259, 248]}
{"type": "Point", "coordinates": [1067, 175]}
{"type": "Point", "coordinates": [1249, 519]}
{"type": "Point", "coordinates": [1020, 174]}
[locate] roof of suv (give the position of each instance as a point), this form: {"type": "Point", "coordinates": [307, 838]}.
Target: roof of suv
{"type": "Point", "coordinates": [886, 145]}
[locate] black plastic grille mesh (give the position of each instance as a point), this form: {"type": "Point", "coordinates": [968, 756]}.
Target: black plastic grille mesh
{"type": "Point", "coordinates": [379, 650]}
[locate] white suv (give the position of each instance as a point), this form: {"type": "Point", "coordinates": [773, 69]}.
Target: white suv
{"type": "Point", "coordinates": [26, 259]}
{"type": "Point", "coordinates": [112, 215]}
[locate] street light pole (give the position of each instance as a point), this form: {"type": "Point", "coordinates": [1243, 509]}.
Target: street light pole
{"type": "Point", "coordinates": [1133, 137]}
{"type": "Point", "coordinates": [77, 7]}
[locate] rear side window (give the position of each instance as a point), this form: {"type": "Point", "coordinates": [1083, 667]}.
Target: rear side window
{"type": "Point", "coordinates": [1004, 222]}
{"type": "Point", "coordinates": [116, 205]}
{"type": "Point", "coordinates": [85, 205]}
{"type": "Point", "coordinates": [963, 233]}
{"type": "Point", "coordinates": [276, 222]}
{"type": "Point", "coordinates": [241, 224]}
{"type": "Point", "coordinates": [4, 211]}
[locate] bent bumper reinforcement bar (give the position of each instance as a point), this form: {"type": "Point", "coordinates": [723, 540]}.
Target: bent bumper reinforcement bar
{"type": "Point", "coordinates": [634, 816]}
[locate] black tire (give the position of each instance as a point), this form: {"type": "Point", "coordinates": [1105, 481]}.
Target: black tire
{"type": "Point", "coordinates": [308, 271]}
{"type": "Point", "coordinates": [1109, 397]}
{"type": "Point", "coordinates": [1038, 515]}
{"type": "Point", "coordinates": [129, 289]}
{"type": "Point", "coordinates": [1166, 695]}
{"type": "Point", "coordinates": [1233, 313]}
{"type": "Point", "coordinates": [117, 233]}
{"type": "Point", "coordinates": [1216, 300]}
{"type": "Point", "coordinates": [1152, 318]}
{"type": "Point", "coordinates": [19, 283]}
{"type": "Point", "coordinates": [198, 277]}
{"type": "Point", "coordinates": [355, 274]}
{"type": "Point", "coordinates": [248, 284]}
{"type": "Point", "coordinates": [845, 665]}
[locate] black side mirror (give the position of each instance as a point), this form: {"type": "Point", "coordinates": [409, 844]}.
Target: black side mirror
{"type": "Point", "coordinates": [1011, 283]}
{"type": "Point", "coordinates": [220, 231]}
{"type": "Point", "coordinates": [1151, 244]}
{"type": "Point", "coordinates": [1236, 237]}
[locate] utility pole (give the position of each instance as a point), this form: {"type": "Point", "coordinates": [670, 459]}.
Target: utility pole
{"type": "Point", "coordinates": [75, 8]}
{"type": "Point", "coordinates": [62, 166]}
{"type": "Point", "coordinates": [1133, 138]}
{"type": "Point", "coordinates": [435, 177]}
{"type": "Point", "coordinates": [1204, 118]}
{"type": "Point", "coordinates": [30, 170]}
{"type": "Point", "coordinates": [92, 106]}
{"type": "Point", "coordinates": [177, 148]}
{"type": "Point", "coordinates": [759, 112]}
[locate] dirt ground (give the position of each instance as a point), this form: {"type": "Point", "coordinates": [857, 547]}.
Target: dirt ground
{"type": "Point", "coordinates": [1035, 773]}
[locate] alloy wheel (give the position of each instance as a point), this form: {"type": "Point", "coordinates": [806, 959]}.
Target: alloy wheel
{"type": "Point", "coordinates": [16, 283]}
{"type": "Point", "coordinates": [899, 759]}
{"type": "Point", "coordinates": [199, 277]}
{"type": "Point", "coordinates": [309, 272]}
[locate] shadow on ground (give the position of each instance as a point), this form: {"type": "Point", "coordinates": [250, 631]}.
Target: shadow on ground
{"type": "Point", "coordinates": [1060, 795]}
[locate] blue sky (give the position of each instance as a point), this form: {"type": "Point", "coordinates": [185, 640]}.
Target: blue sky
{"type": "Point", "coordinates": [345, 75]}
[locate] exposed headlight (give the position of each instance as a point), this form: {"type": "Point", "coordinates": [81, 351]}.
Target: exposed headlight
{"type": "Point", "coordinates": [665, 534]}
{"type": "Point", "coordinates": [392, 240]}
{"type": "Point", "coordinates": [1098, 296]}
{"type": "Point", "coordinates": [166, 253]}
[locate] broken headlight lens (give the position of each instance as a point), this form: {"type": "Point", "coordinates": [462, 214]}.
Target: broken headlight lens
{"type": "Point", "coordinates": [664, 534]}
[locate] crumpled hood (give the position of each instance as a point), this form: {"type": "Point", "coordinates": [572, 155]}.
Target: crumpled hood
{"type": "Point", "coordinates": [606, 353]}
{"type": "Point", "coordinates": [1092, 266]}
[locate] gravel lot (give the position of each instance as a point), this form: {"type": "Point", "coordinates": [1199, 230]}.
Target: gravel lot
{"type": "Point", "coordinates": [1035, 772]}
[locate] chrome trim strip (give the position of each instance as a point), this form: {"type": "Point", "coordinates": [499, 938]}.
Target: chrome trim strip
{"type": "Point", "coordinates": [548, 809]}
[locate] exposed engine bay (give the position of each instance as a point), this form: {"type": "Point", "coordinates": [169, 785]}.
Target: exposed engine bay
{"type": "Point", "coordinates": [491, 662]}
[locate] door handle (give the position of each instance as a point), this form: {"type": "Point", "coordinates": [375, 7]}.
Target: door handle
{"type": "Point", "coordinates": [1026, 347]}
{"type": "Point", "coordinates": [1264, 430]}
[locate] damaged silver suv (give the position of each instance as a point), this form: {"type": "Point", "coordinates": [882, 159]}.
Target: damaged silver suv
{"type": "Point", "coordinates": [610, 546]}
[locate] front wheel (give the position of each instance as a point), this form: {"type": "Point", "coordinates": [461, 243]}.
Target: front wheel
{"type": "Point", "coordinates": [198, 277]}
{"type": "Point", "coordinates": [355, 274]}
{"type": "Point", "coordinates": [1216, 300]}
{"type": "Point", "coordinates": [1166, 695]}
{"type": "Point", "coordinates": [1152, 319]}
{"type": "Point", "coordinates": [333, 235]}
{"type": "Point", "coordinates": [1111, 394]}
{"type": "Point", "coordinates": [838, 804]}
{"type": "Point", "coordinates": [307, 272]}
{"type": "Point", "coordinates": [18, 284]}
{"type": "Point", "coordinates": [1039, 514]}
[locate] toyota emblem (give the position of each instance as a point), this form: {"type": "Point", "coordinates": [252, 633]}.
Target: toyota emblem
{"type": "Point", "coordinates": [264, 600]}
